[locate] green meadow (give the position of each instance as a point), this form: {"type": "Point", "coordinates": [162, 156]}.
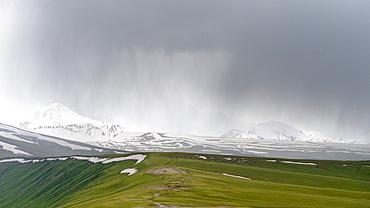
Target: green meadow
{"type": "Point", "coordinates": [73, 183]}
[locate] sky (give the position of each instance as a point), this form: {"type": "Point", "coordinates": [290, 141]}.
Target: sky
{"type": "Point", "coordinates": [197, 67]}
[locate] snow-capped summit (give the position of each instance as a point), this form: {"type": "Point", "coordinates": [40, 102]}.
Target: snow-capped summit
{"type": "Point", "coordinates": [57, 115]}
{"type": "Point", "coordinates": [275, 130]}
{"type": "Point", "coordinates": [314, 136]}
{"type": "Point", "coordinates": [58, 120]}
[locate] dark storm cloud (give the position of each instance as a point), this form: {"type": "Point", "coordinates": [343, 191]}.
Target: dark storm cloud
{"type": "Point", "coordinates": [305, 63]}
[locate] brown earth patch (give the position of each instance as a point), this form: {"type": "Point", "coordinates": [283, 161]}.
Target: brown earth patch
{"type": "Point", "coordinates": [160, 171]}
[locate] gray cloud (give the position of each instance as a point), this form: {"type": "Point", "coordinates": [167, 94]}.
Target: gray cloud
{"type": "Point", "coordinates": [194, 66]}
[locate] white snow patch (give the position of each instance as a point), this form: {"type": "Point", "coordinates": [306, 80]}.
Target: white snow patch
{"type": "Point", "coordinates": [271, 160]}
{"type": "Point", "coordinates": [118, 152]}
{"type": "Point", "coordinates": [57, 158]}
{"type": "Point", "coordinates": [130, 171]}
{"type": "Point", "coordinates": [202, 157]}
{"type": "Point", "coordinates": [13, 149]}
{"type": "Point", "coordinates": [298, 163]}
{"type": "Point", "coordinates": [36, 160]}
{"type": "Point", "coordinates": [99, 150]}
{"type": "Point", "coordinates": [227, 158]}
{"type": "Point", "coordinates": [90, 159]}
{"type": "Point", "coordinates": [235, 176]}
{"type": "Point", "coordinates": [14, 137]}
{"type": "Point", "coordinates": [19, 160]}
{"type": "Point", "coordinates": [138, 157]}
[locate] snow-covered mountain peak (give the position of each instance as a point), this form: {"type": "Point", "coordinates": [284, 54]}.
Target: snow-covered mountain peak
{"type": "Point", "coordinates": [59, 120]}
{"type": "Point", "coordinates": [275, 130]}
{"type": "Point", "coordinates": [59, 115]}
{"type": "Point", "coordinates": [58, 106]}
{"type": "Point", "coordinates": [315, 135]}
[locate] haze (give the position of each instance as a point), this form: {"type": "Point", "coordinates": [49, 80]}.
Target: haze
{"type": "Point", "coordinates": [196, 67]}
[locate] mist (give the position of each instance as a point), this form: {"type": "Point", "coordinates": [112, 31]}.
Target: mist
{"type": "Point", "coordinates": [196, 67]}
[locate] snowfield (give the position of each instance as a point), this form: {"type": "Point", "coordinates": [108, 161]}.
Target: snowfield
{"type": "Point", "coordinates": [15, 134]}
{"type": "Point", "coordinates": [10, 135]}
{"type": "Point", "coordinates": [13, 149]}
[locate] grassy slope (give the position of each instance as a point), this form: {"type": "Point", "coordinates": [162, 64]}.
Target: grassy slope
{"type": "Point", "coordinates": [82, 184]}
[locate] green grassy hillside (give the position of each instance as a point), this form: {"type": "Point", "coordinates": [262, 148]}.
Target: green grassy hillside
{"type": "Point", "coordinates": [72, 183]}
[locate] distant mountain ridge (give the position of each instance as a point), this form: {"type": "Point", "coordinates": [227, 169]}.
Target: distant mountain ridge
{"type": "Point", "coordinates": [274, 130]}
{"type": "Point", "coordinates": [57, 120]}
{"type": "Point", "coordinates": [270, 139]}
{"type": "Point", "coordinates": [15, 142]}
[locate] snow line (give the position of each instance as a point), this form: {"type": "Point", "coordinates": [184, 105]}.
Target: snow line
{"type": "Point", "coordinates": [137, 157]}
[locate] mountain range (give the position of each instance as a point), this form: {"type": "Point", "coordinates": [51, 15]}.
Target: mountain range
{"type": "Point", "coordinates": [58, 120]}
{"type": "Point", "coordinates": [58, 123]}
